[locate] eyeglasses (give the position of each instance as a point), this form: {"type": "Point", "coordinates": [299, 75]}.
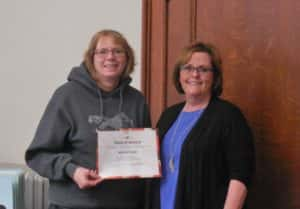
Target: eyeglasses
{"type": "Point", "coordinates": [200, 69]}
{"type": "Point", "coordinates": [105, 52]}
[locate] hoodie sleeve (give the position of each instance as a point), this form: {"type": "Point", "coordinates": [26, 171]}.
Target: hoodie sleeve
{"type": "Point", "coordinates": [47, 154]}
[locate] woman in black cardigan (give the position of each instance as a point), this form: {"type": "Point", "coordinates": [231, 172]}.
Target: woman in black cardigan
{"type": "Point", "coordinates": [207, 147]}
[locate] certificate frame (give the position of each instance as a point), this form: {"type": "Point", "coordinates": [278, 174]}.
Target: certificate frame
{"type": "Point", "coordinates": [128, 153]}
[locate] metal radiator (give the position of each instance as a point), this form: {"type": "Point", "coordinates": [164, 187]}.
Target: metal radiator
{"type": "Point", "coordinates": [35, 191]}
{"type": "Point", "coordinates": [22, 188]}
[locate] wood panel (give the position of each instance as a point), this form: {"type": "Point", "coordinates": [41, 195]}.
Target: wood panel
{"type": "Point", "coordinates": [154, 55]}
{"type": "Point", "coordinates": [179, 33]}
{"type": "Point", "coordinates": [259, 43]}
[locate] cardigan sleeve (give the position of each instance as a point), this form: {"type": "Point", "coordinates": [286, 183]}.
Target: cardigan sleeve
{"type": "Point", "coordinates": [239, 147]}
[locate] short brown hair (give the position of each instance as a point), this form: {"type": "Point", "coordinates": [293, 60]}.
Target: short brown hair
{"type": "Point", "coordinates": [119, 39]}
{"type": "Point", "coordinates": [216, 63]}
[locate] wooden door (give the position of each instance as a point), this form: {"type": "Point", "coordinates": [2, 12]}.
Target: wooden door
{"type": "Point", "coordinates": [259, 43]}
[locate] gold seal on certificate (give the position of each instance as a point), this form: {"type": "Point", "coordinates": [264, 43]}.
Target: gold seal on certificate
{"type": "Point", "coordinates": [128, 153]}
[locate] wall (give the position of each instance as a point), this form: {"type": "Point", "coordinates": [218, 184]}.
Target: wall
{"type": "Point", "coordinates": [40, 42]}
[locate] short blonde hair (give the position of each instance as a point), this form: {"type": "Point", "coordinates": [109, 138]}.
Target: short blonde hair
{"type": "Point", "coordinates": [119, 39]}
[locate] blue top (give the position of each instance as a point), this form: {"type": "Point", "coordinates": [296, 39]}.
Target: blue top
{"type": "Point", "coordinates": [171, 149]}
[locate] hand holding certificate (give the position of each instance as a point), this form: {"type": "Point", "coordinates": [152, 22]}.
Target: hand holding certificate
{"type": "Point", "coordinates": [128, 153]}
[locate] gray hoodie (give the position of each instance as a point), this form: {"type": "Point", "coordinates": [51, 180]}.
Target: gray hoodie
{"type": "Point", "coordinates": [66, 138]}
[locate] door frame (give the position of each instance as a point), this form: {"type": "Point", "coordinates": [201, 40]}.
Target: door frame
{"type": "Point", "coordinates": [154, 55]}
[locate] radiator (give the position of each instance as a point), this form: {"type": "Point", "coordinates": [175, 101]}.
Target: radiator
{"type": "Point", "coordinates": [35, 191]}
{"type": "Point", "coordinates": [22, 188]}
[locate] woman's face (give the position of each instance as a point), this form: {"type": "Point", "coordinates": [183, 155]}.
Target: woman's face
{"type": "Point", "coordinates": [196, 76]}
{"type": "Point", "coordinates": [109, 59]}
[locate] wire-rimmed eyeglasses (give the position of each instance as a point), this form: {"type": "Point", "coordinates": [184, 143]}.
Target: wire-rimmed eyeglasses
{"type": "Point", "coordinates": [199, 69]}
{"type": "Point", "coordinates": [104, 52]}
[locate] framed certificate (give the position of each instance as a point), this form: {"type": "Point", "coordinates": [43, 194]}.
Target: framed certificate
{"type": "Point", "coordinates": [128, 153]}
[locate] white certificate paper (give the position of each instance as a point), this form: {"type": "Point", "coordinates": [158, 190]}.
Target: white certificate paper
{"type": "Point", "coordinates": [128, 153]}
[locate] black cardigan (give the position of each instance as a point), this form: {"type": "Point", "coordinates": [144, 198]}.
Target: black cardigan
{"type": "Point", "coordinates": [218, 148]}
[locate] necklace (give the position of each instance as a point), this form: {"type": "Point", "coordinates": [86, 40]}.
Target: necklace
{"type": "Point", "coordinates": [173, 143]}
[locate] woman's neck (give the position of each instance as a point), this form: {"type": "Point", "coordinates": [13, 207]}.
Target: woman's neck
{"type": "Point", "coordinates": [106, 84]}
{"type": "Point", "coordinates": [196, 103]}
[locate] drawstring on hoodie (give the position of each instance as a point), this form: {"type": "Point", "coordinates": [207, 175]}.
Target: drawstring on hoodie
{"type": "Point", "coordinates": [121, 100]}
{"type": "Point", "coordinates": [100, 103]}
{"type": "Point", "coordinates": [81, 76]}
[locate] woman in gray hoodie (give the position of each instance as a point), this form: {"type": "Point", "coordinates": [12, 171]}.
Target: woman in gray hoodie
{"type": "Point", "coordinates": [97, 96]}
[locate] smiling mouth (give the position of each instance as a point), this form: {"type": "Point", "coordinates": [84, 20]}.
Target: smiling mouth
{"type": "Point", "coordinates": [111, 65]}
{"type": "Point", "coordinates": [194, 82]}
